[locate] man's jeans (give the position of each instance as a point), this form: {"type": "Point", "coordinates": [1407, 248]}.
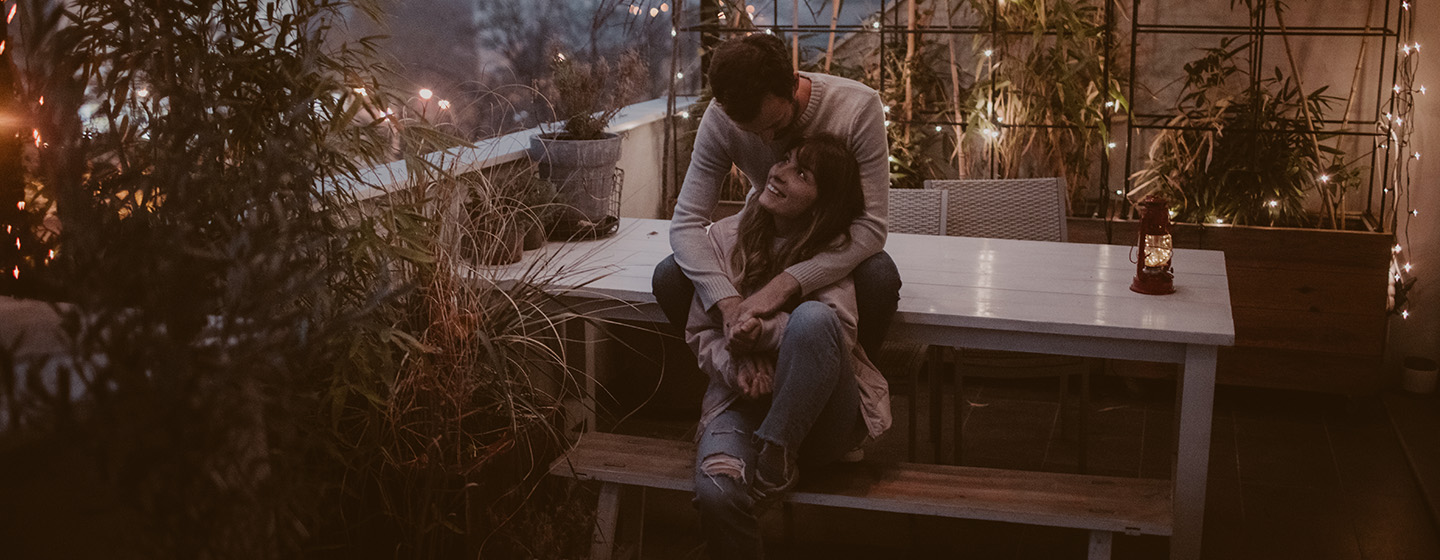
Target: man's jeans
{"type": "Point", "coordinates": [814, 409]}
{"type": "Point", "coordinates": [877, 292]}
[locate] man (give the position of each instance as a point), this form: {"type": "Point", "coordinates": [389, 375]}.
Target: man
{"type": "Point", "coordinates": [765, 107]}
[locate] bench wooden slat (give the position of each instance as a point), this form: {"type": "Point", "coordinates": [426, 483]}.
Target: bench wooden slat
{"type": "Point", "coordinates": [1130, 505]}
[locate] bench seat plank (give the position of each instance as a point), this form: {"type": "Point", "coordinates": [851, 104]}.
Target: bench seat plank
{"type": "Point", "coordinates": [1130, 505]}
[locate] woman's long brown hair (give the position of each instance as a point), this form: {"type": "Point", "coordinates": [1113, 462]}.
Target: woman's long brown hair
{"type": "Point", "coordinates": [839, 200]}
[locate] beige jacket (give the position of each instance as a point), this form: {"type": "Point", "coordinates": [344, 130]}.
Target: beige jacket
{"type": "Point", "coordinates": [705, 334]}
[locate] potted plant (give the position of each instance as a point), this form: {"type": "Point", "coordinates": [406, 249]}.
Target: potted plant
{"type": "Point", "coordinates": [579, 159]}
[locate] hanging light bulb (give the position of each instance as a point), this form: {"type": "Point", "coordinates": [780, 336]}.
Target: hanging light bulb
{"type": "Point", "coordinates": [426, 94]}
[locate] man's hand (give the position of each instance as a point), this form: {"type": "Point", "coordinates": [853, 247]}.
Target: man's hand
{"type": "Point", "coordinates": [755, 374]}
{"type": "Point", "coordinates": [769, 299]}
{"type": "Point", "coordinates": [729, 314]}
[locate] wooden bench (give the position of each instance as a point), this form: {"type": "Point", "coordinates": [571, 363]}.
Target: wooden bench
{"type": "Point", "coordinates": [1100, 504]}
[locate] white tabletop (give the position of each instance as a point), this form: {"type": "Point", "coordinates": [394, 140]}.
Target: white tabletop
{"type": "Point", "coordinates": [1033, 286]}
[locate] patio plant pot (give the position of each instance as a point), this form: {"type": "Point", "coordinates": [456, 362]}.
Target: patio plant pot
{"type": "Point", "coordinates": [583, 172]}
{"type": "Point", "coordinates": [1309, 304]}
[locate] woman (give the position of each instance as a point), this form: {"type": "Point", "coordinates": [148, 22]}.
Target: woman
{"type": "Point", "coordinates": [777, 404]}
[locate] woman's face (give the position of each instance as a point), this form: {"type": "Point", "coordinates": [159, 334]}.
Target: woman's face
{"type": "Point", "coordinates": [790, 190]}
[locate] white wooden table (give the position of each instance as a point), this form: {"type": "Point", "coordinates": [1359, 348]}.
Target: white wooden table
{"type": "Point", "coordinates": [1058, 298]}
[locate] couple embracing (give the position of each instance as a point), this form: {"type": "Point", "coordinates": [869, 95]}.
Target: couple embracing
{"type": "Point", "coordinates": [783, 302]}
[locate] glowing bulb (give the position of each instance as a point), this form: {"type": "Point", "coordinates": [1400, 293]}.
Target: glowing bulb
{"type": "Point", "coordinates": [1324, 178]}
{"type": "Point", "coordinates": [143, 92]}
{"type": "Point", "coordinates": [1397, 88]}
{"type": "Point", "coordinates": [36, 135]}
{"type": "Point", "coordinates": [42, 101]}
{"type": "Point", "coordinates": [1110, 145]}
{"type": "Point", "coordinates": [684, 114]}
{"type": "Point", "coordinates": [1414, 212]}
{"type": "Point", "coordinates": [20, 205]}
{"type": "Point", "coordinates": [1405, 314]}
{"type": "Point", "coordinates": [52, 253]}
{"type": "Point", "coordinates": [1422, 90]}
{"type": "Point", "coordinates": [1399, 120]}
{"type": "Point", "coordinates": [444, 104]}
{"type": "Point", "coordinates": [16, 273]}
{"type": "Point", "coordinates": [750, 9]}
{"type": "Point", "coordinates": [679, 75]}
{"type": "Point", "coordinates": [887, 109]}
{"type": "Point", "coordinates": [634, 10]}
{"type": "Point", "coordinates": [560, 56]}
{"type": "Point", "coordinates": [1416, 154]}
{"type": "Point", "coordinates": [1405, 5]}
{"type": "Point", "coordinates": [1273, 203]}
{"type": "Point", "coordinates": [1109, 104]}
{"type": "Point", "coordinates": [11, 16]}
{"type": "Point", "coordinates": [875, 25]}
{"type": "Point", "coordinates": [989, 52]}
{"type": "Point", "coordinates": [1417, 47]}
{"type": "Point", "coordinates": [1388, 117]}
{"type": "Point", "coordinates": [426, 94]}
{"type": "Point", "coordinates": [1119, 192]}
{"type": "Point", "coordinates": [938, 129]}
{"type": "Point", "coordinates": [1406, 267]}
{"type": "Point", "coordinates": [1395, 249]}
{"type": "Point", "coordinates": [999, 119]}
{"type": "Point", "coordinates": [1405, 49]}
{"type": "Point", "coordinates": [674, 33]}
{"type": "Point", "coordinates": [361, 91]}
{"type": "Point", "coordinates": [654, 12]}
{"type": "Point", "coordinates": [887, 122]}
{"type": "Point", "coordinates": [1219, 220]}
{"type": "Point", "coordinates": [665, 7]}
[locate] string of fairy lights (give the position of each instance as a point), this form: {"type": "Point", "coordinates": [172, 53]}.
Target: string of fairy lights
{"type": "Point", "coordinates": [1398, 126]}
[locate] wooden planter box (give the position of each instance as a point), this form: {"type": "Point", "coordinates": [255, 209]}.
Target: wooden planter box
{"type": "Point", "coordinates": [1309, 305]}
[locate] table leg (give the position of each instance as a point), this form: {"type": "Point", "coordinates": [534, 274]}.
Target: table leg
{"type": "Point", "coordinates": [1195, 405]}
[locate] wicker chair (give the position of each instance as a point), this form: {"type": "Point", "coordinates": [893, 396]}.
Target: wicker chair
{"type": "Point", "coordinates": [1032, 209]}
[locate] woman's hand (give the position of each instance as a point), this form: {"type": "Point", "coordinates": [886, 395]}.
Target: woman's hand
{"type": "Point", "coordinates": [755, 375]}
{"type": "Point", "coordinates": [744, 336]}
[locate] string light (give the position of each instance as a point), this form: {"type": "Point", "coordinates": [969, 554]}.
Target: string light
{"type": "Point", "coordinates": [426, 94]}
{"type": "Point", "coordinates": [1273, 203]}
{"type": "Point", "coordinates": [684, 114]}
{"type": "Point", "coordinates": [444, 104]}
{"type": "Point", "coordinates": [634, 9]}
{"type": "Point", "coordinates": [362, 92]}
{"type": "Point", "coordinates": [1396, 248]}
{"type": "Point", "coordinates": [1110, 145]}
{"type": "Point", "coordinates": [989, 52]}
{"type": "Point", "coordinates": [679, 75]}
{"type": "Point", "coordinates": [16, 273]}
{"type": "Point", "coordinates": [875, 25]}
{"type": "Point", "coordinates": [1324, 178]}
{"type": "Point", "coordinates": [665, 7]}
{"type": "Point", "coordinates": [674, 33]}
{"type": "Point", "coordinates": [1407, 267]}
{"type": "Point", "coordinates": [938, 129]}
{"type": "Point", "coordinates": [11, 16]}
{"type": "Point", "coordinates": [886, 109]}
{"type": "Point", "coordinates": [654, 12]}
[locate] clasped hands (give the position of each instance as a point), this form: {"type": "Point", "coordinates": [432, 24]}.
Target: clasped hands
{"type": "Point", "coordinates": [754, 368]}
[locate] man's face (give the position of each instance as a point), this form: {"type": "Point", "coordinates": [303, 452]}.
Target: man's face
{"type": "Point", "coordinates": [774, 119]}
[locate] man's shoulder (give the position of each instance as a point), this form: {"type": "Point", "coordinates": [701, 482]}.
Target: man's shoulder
{"type": "Point", "coordinates": [841, 85]}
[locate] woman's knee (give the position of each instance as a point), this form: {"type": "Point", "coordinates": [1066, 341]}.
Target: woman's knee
{"type": "Point", "coordinates": [720, 485]}
{"type": "Point", "coordinates": [814, 321]}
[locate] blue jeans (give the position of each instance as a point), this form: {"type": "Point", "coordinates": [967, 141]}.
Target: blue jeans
{"type": "Point", "coordinates": [877, 292]}
{"type": "Point", "coordinates": [814, 409]}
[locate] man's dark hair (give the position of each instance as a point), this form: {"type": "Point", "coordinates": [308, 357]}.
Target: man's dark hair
{"type": "Point", "coordinates": [744, 69]}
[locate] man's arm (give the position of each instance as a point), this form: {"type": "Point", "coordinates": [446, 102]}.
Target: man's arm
{"type": "Point", "coordinates": [694, 208]}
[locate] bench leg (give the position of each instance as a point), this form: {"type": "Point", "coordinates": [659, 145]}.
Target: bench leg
{"type": "Point", "coordinates": [1100, 545]}
{"type": "Point", "coordinates": [607, 512]}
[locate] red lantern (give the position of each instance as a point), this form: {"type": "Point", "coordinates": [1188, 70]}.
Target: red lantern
{"type": "Point", "coordinates": [1152, 269]}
